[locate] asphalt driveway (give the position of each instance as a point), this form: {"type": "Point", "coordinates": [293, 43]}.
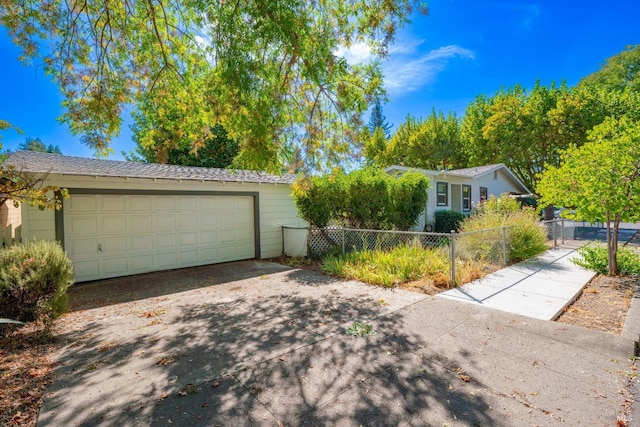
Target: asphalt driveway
{"type": "Point", "coordinates": [257, 343]}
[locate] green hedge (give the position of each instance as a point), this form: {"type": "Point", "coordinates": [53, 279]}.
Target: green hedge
{"type": "Point", "coordinates": [34, 278]}
{"type": "Point", "coordinates": [447, 221]}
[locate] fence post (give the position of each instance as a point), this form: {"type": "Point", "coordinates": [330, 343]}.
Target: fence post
{"type": "Point", "coordinates": [504, 246]}
{"type": "Point", "coordinates": [555, 235]}
{"type": "Point", "coordinates": [562, 229]}
{"type": "Point", "coordinates": [453, 258]}
{"type": "Point", "coordinates": [343, 237]}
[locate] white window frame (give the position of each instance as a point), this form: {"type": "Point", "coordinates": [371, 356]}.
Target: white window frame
{"type": "Point", "coordinates": [444, 194]}
{"type": "Point", "coordinates": [467, 199]}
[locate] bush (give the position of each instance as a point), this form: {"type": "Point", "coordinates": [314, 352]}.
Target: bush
{"type": "Point", "coordinates": [34, 278]}
{"type": "Point", "coordinates": [408, 197]}
{"type": "Point", "coordinates": [525, 237]}
{"type": "Point", "coordinates": [367, 198]}
{"type": "Point", "coordinates": [596, 258]}
{"type": "Point", "coordinates": [447, 221]}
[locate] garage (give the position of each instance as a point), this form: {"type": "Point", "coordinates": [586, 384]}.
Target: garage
{"type": "Point", "coordinates": [110, 235]}
{"type": "Point", "coordinates": [124, 218]}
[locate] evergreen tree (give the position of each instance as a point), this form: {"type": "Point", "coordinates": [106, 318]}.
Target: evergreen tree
{"type": "Point", "coordinates": [378, 120]}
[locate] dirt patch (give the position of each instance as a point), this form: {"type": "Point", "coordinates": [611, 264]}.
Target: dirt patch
{"type": "Point", "coordinates": [25, 372]}
{"type": "Point", "coordinates": [602, 305]}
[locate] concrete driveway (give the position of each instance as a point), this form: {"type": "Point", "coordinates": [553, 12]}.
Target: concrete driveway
{"type": "Point", "coordinates": [257, 343]}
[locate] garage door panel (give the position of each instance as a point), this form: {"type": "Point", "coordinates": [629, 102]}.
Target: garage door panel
{"type": "Point", "coordinates": [83, 248]}
{"type": "Point", "coordinates": [188, 258]}
{"type": "Point", "coordinates": [188, 203]}
{"type": "Point", "coordinates": [114, 245]}
{"type": "Point", "coordinates": [164, 222]}
{"type": "Point", "coordinates": [227, 236]}
{"type": "Point", "coordinates": [141, 263]}
{"type": "Point", "coordinates": [165, 241]}
{"type": "Point", "coordinates": [112, 203]}
{"type": "Point", "coordinates": [85, 270]}
{"type": "Point", "coordinates": [208, 203]}
{"type": "Point", "coordinates": [244, 203]}
{"type": "Point", "coordinates": [166, 260]}
{"type": "Point", "coordinates": [82, 203]}
{"type": "Point", "coordinates": [165, 203]}
{"type": "Point", "coordinates": [84, 225]}
{"type": "Point", "coordinates": [208, 238]}
{"type": "Point", "coordinates": [187, 221]}
{"type": "Point", "coordinates": [210, 255]}
{"type": "Point", "coordinates": [113, 224]}
{"type": "Point", "coordinates": [140, 243]}
{"type": "Point", "coordinates": [186, 240]}
{"type": "Point", "coordinates": [116, 266]}
{"type": "Point", "coordinates": [207, 220]}
{"type": "Point", "coordinates": [139, 203]}
{"type": "Point", "coordinates": [143, 233]}
{"type": "Point", "coordinates": [245, 235]}
{"type": "Point", "coordinates": [139, 224]}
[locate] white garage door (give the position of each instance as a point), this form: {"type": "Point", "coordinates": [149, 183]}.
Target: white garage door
{"type": "Point", "coordinates": [118, 235]}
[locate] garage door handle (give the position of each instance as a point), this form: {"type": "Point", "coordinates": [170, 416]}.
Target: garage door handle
{"type": "Point", "coordinates": [99, 247]}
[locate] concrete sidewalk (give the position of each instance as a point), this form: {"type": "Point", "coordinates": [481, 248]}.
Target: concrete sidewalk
{"type": "Point", "coordinates": [540, 287]}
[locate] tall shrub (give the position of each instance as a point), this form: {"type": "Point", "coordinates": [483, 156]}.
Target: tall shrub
{"type": "Point", "coordinates": [319, 198]}
{"type": "Point", "coordinates": [525, 237]}
{"type": "Point", "coordinates": [367, 198]}
{"type": "Point", "coordinates": [34, 278]}
{"type": "Point", "coordinates": [367, 203]}
{"type": "Point", "coordinates": [408, 198]}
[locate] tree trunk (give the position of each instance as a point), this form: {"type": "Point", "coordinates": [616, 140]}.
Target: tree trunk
{"type": "Point", "coordinates": [548, 213]}
{"type": "Point", "coordinates": [612, 244]}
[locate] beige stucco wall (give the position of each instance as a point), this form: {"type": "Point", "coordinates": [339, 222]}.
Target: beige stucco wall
{"type": "Point", "coordinates": [276, 207]}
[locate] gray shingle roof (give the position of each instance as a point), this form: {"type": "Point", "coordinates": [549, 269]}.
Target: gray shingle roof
{"type": "Point", "coordinates": [475, 171]}
{"type": "Point", "coordinates": [30, 161]}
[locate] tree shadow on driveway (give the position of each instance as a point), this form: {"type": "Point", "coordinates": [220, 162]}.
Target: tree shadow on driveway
{"type": "Point", "coordinates": [264, 349]}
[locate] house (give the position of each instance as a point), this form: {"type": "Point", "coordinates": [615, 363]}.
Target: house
{"type": "Point", "coordinates": [125, 218]}
{"type": "Point", "coordinates": [461, 189]}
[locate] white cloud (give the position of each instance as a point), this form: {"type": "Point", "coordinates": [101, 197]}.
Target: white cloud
{"type": "Point", "coordinates": [408, 69]}
{"type": "Point", "coordinates": [357, 53]}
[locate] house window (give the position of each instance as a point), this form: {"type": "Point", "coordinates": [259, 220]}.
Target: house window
{"type": "Point", "coordinates": [484, 194]}
{"type": "Point", "coordinates": [442, 190]}
{"type": "Point", "coordinates": [466, 198]}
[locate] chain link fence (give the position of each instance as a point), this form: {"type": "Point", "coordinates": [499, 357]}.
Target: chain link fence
{"type": "Point", "coordinates": [491, 246]}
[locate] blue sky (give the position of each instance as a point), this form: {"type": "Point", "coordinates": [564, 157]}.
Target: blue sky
{"type": "Point", "coordinates": [462, 49]}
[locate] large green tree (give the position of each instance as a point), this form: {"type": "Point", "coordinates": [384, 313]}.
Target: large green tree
{"type": "Point", "coordinates": [619, 72]}
{"type": "Point", "coordinates": [527, 130]}
{"type": "Point", "coordinates": [378, 120]}
{"type": "Point", "coordinates": [426, 143]}
{"type": "Point", "coordinates": [267, 71]}
{"type": "Point", "coordinates": [600, 179]}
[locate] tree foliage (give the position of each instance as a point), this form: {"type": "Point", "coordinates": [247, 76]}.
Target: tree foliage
{"type": "Point", "coordinates": [36, 144]}
{"type": "Point", "coordinates": [267, 71]}
{"type": "Point", "coordinates": [378, 120]}
{"type": "Point", "coordinates": [21, 187]}
{"type": "Point", "coordinates": [426, 143]}
{"type": "Point", "coordinates": [527, 130]}
{"type": "Point", "coordinates": [218, 151]}
{"type": "Point", "coordinates": [600, 180]}
{"type": "Point", "coordinates": [367, 198]}
{"type": "Point", "coordinates": [619, 72]}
